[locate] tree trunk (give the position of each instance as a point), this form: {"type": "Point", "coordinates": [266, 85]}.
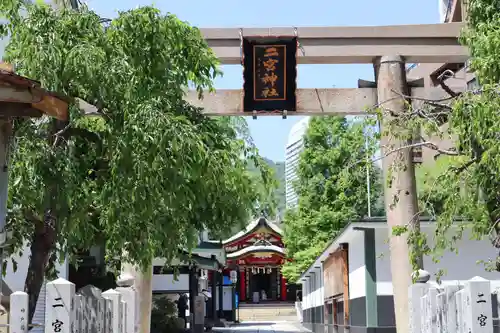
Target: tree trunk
{"type": "Point", "coordinates": [144, 299]}
{"type": "Point", "coordinates": [45, 235]}
{"type": "Point", "coordinates": [42, 245]}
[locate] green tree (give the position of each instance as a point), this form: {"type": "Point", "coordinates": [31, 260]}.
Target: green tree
{"type": "Point", "coordinates": [431, 194]}
{"type": "Point", "coordinates": [465, 185]}
{"type": "Point", "coordinates": [273, 196]}
{"type": "Point", "coordinates": [150, 171]}
{"type": "Point", "coordinates": [331, 187]}
{"type": "Point", "coordinates": [279, 192]}
{"type": "Point", "coordinates": [377, 207]}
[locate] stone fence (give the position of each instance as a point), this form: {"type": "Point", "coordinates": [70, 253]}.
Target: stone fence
{"type": "Point", "coordinates": [87, 311]}
{"type": "Point", "coordinates": [459, 308]}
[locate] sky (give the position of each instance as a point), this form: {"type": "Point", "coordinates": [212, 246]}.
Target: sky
{"type": "Point", "coordinates": [270, 133]}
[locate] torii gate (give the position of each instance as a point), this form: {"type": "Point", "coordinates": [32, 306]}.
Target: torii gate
{"type": "Point", "coordinates": [426, 43]}
{"type": "Point", "coordinates": [388, 48]}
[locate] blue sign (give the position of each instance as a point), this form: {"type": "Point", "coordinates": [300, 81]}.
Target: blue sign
{"type": "Point", "coordinates": [226, 281]}
{"type": "Point", "coordinates": [237, 300]}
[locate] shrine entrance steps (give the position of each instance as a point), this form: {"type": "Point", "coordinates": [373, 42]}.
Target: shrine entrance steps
{"type": "Point", "coordinates": [267, 312]}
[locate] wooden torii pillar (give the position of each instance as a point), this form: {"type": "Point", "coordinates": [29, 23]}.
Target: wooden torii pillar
{"type": "Point", "coordinates": [390, 77]}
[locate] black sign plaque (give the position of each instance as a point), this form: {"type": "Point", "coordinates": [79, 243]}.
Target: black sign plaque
{"type": "Point", "coordinates": [269, 73]}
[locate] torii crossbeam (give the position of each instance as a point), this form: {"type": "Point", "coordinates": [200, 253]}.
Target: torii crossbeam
{"type": "Point", "coordinates": [420, 43]}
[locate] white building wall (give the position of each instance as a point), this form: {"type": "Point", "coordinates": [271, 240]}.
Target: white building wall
{"type": "Point", "coordinates": [15, 280]}
{"type": "Point", "coordinates": [312, 290]}
{"type": "Point", "coordinates": [459, 267]}
{"type": "Point", "coordinates": [317, 288]}
{"type": "Point", "coordinates": [320, 290]}
{"type": "Point", "coordinates": [357, 269]}
{"type": "Point", "coordinates": [306, 296]}
{"type": "Point", "coordinates": [167, 282]}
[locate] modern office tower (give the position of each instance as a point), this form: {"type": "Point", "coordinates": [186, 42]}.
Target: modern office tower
{"type": "Point", "coordinates": [293, 149]}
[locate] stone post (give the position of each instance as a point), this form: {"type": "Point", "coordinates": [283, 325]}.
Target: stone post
{"type": "Point", "coordinates": [449, 316]}
{"type": "Point", "coordinates": [115, 300]}
{"type": "Point", "coordinates": [59, 306]}
{"type": "Point", "coordinates": [193, 292]}
{"type": "Point", "coordinates": [126, 289]}
{"type": "Point", "coordinates": [18, 312]}
{"type": "Point", "coordinates": [220, 294]}
{"type": "Point", "coordinates": [214, 295]}
{"type": "Point", "coordinates": [415, 294]}
{"type": "Point", "coordinates": [144, 294]}
{"type": "Point", "coordinates": [478, 315]}
{"type": "Point", "coordinates": [390, 76]}
{"type": "Point", "coordinates": [198, 317]}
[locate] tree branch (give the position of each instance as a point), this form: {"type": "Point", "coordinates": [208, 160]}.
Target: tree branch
{"type": "Point", "coordinates": [69, 131]}
{"type": "Point", "coordinates": [427, 144]}
{"type": "Point", "coordinates": [435, 115]}
{"type": "Point", "coordinates": [464, 167]}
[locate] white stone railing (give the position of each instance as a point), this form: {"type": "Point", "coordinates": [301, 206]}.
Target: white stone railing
{"type": "Point", "coordinates": [457, 308]}
{"type": "Point", "coordinates": [89, 310]}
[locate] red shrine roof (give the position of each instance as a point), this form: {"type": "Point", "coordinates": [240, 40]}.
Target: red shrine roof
{"type": "Point", "coordinates": [261, 248]}
{"type": "Point", "coordinates": [259, 223]}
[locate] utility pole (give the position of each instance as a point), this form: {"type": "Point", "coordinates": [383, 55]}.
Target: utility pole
{"type": "Point", "coordinates": [368, 187]}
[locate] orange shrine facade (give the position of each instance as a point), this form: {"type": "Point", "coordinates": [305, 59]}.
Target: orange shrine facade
{"type": "Point", "coordinates": [257, 253]}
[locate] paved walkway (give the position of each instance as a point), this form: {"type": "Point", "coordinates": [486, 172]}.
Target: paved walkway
{"type": "Point", "coordinates": [259, 327]}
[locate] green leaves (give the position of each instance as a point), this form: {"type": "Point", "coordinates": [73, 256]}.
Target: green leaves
{"type": "Point", "coordinates": [10, 14]}
{"type": "Point", "coordinates": [482, 36]}
{"type": "Point", "coordinates": [331, 186]}
{"type": "Point", "coordinates": [149, 173]}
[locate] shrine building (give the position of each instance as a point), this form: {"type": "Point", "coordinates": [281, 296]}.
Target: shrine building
{"type": "Point", "coordinates": [257, 254]}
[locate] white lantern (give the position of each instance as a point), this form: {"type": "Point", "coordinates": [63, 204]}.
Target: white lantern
{"type": "Point", "coordinates": [233, 276]}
